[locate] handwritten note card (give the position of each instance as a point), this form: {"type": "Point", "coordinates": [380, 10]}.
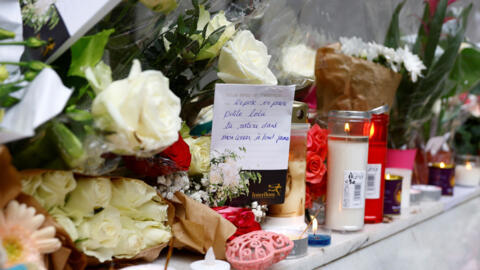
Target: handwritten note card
{"type": "Point", "coordinates": [251, 134]}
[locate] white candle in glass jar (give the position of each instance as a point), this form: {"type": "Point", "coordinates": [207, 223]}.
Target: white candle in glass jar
{"type": "Point", "coordinates": [467, 175]}
{"type": "Point", "coordinates": [347, 166]}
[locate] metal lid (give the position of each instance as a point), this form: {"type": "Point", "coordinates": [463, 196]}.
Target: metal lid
{"type": "Point", "coordinates": [299, 112]}
{"type": "Point", "coordinates": [380, 110]}
{"type": "Point", "coordinates": [350, 114]}
{"type": "Point", "coordinates": [392, 177]}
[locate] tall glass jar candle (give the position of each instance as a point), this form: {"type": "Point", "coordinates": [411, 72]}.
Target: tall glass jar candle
{"type": "Point", "coordinates": [347, 169]}
{"type": "Point", "coordinates": [377, 156]}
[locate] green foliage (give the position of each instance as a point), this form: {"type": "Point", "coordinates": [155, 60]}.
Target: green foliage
{"type": "Point", "coordinates": [88, 51]}
{"type": "Point", "coordinates": [467, 137]}
{"type": "Point", "coordinates": [466, 71]}
{"type": "Point", "coordinates": [175, 53]}
{"type": "Point", "coordinates": [392, 39]}
{"type": "Point", "coordinates": [36, 21]}
{"type": "Point", "coordinates": [5, 90]}
{"type": "Point", "coordinates": [412, 109]}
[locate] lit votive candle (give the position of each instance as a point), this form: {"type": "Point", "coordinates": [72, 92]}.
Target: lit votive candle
{"type": "Point", "coordinates": [347, 166]}
{"type": "Point", "coordinates": [318, 238]}
{"type": "Point", "coordinates": [442, 175]}
{"type": "Point", "coordinates": [467, 171]}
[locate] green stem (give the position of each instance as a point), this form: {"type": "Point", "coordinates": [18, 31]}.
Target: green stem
{"type": "Point", "coordinates": [22, 64]}
{"type": "Point", "coordinates": [14, 43]}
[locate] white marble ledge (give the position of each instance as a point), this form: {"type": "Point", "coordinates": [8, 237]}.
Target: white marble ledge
{"type": "Point", "coordinates": [346, 243]}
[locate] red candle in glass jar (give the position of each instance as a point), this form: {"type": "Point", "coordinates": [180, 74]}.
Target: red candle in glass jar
{"type": "Point", "coordinates": [377, 155]}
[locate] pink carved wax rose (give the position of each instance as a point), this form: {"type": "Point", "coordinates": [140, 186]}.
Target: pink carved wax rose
{"type": "Point", "coordinates": [242, 218]}
{"type": "Point", "coordinates": [257, 250]}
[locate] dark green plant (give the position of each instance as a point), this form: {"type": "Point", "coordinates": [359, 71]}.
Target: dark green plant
{"type": "Point", "coordinates": [412, 109]}
{"type": "Point", "coordinates": [467, 137]}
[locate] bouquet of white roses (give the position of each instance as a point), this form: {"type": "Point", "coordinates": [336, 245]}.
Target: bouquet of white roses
{"type": "Point", "coordinates": [106, 218]}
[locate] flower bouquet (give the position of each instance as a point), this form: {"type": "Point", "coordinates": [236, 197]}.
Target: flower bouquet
{"type": "Point", "coordinates": [360, 76]}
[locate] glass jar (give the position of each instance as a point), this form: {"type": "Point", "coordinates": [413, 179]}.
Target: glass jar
{"type": "Point", "coordinates": [467, 170]}
{"type": "Point", "coordinates": [291, 212]}
{"type": "Point", "coordinates": [347, 168]}
{"type": "Point", "coordinates": [377, 156]}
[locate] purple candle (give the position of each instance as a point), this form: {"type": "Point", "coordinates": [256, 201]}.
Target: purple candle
{"type": "Point", "coordinates": [442, 175]}
{"type": "Point", "coordinates": [392, 198]}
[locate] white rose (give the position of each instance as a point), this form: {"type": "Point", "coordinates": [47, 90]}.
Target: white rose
{"type": "Point", "coordinates": [216, 175]}
{"type": "Point", "coordinates": [245, 60]}
{"type": "Point", "coordinates": [131, 240]}
{"type": "Point", "coordinates": [299, 61]}
{"type": "Point", "coordinates": [65, 222]}
{"type": "Point", "coordinates": [141, 112]}
{"type": "Point", "coordinates": [230, 172]}
{"type": "Point", "coordinates": [200, 150]}
{"type": "Point", "coordinates": [50, 188]}
{"type": "Point", "coordinates": [128, 195]}
{"type": "Point", "coordinates": [154, 233]}
{"type": "Point", "coordinates": [152, 210]}
{"type": "Point", "coordinates": [100, 234]}
{"type": "Point", "coordinates": [90, 194]}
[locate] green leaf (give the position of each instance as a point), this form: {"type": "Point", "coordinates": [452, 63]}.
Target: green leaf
{"type": "Point", "coordinates": [392, 39]}
{"type": "Point", "coordinates": [79, 115]}
{"type": "Point", "coordinates": [88, 51]}
{"type": "Point", "coordinates": [418, 47]}
{"type": "Point", "coordinates": [435, 30]}
{"type": "Point", "coordinates": [466, 71]}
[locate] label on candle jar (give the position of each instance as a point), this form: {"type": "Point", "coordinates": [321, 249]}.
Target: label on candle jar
{"type": "Point", "coordinates": [374, 175]}
{"type": "Point", "coordinates": [353, 189]}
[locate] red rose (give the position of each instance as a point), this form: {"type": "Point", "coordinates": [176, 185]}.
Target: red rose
{"type": "Point", "coordinates": [242, 218]}
{"type": "Point", "coordinates": [315, 168]}
{"type": "Point", "coordinates": [246, 218]}
{"type": "Point", "coordinates": [179, 152]}
{"type": "Point", "coordinates": [317, 141]}
{"type": "Point", "coordinates": [175, 158]}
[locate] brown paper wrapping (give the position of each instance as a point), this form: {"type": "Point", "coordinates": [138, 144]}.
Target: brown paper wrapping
{"type": "Point", "coordinates": [350, 83]}
{"type": "Point", "coordinates": [198, 227]}
{"type": "Point", "coordinates": [194, 226]}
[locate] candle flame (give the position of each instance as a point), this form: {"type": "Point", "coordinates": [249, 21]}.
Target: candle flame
{"type": "Point", "coordinates": [314, 225]}
{"type": "Point", "coordinates": [347, 127]}
{"type": "Point", "coordinates": [468, 165]}
{"type": "Point", "coordinates": [442, 165]}
{"type": "Point", "coordinates": [372, 130]}
{"type": "Point", "coordinates": [387, 176]}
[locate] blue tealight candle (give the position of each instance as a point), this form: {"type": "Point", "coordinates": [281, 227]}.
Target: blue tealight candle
{"type": "Point", "coordinates": [318, 240]}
